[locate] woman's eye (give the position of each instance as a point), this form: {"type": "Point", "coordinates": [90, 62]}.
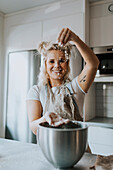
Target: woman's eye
{"type": "Point", "coordinates": [51, 61]}
{"type": "Point", "coordinates": [61, 60]}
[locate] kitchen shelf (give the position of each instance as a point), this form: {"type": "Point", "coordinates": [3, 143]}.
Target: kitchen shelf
{"type": "Point", "coordinates": [103, 79]}
{"type": "Point", "coordinates": [101, 122]}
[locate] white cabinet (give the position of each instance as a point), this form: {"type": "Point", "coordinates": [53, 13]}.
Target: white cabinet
{"type": "Point", "coordinates": [73, 14]}
{"type": "Point", "coordinates": [100, 140]}
{"type": "Point", "coordinates": [101, 25]}
{"type": "Point", "coordinates": [52, 27]}
{"type": "Point", "coordinates": [24, 36]}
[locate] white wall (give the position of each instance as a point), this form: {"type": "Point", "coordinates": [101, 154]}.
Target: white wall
{"type": "Point", "coordinates": [25, 29]}
{"type": "Point", "coordinates": [1, 72]}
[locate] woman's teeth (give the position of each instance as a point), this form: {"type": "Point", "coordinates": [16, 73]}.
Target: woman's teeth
{"type": "Point", "coordinates": [56, 71]}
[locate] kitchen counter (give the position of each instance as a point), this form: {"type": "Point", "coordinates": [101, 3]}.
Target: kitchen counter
{"type": "Point", "coordinates": [15, 155]}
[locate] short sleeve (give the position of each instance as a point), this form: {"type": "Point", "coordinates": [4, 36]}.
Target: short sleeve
{"type": "Point", "coordinates": [79, 95]}
{"type": "Point", "coordinates": [33, 93]}
{"type": "Point", "coordinates": [76, 86]}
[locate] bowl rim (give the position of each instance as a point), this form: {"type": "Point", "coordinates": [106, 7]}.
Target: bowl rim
{"type": "Point", "coordinates": [84, 126]}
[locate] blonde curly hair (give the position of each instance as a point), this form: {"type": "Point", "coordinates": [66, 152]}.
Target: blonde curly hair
{"type": "Point", "coordinates": [43, 48]}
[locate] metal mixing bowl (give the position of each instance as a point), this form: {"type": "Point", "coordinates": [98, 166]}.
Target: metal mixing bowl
{"type": "Point", "coordinates": [62, 147]}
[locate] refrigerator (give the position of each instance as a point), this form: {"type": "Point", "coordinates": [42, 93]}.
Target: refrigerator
{"type": "Point", "coordinates": [23, 69]}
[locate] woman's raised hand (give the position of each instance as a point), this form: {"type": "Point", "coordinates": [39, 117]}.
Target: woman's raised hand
{"type": "Point", "coordinates": [54, 119]}
{"type": "Point", "coordinates": [66, 35]}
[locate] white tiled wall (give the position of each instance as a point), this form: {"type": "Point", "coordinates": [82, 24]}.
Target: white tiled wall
{"type": "Point", "coordinates": [104, 99]}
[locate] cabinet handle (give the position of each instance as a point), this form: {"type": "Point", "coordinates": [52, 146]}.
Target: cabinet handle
{"type": "Point", "coordinates": [110, 9]}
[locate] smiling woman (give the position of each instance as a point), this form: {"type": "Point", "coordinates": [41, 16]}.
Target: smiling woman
{"type": "Point", "coordinates": [57, 99]}
{"type": "Point", "coordinates": [56, 59]}
{"type": "Point", "coordinates": [56, 67]}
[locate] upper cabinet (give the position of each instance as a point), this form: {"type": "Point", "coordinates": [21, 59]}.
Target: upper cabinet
{"type": "Point", "coordinates": [24, 36]}
{"type": "Point", "coordinates": [72, 15]}
{"type": "Point", "coordinates": [101, 23]}
{"type": "Point", "coordinates": [24, 30]}
{"type": "Point", "coordinates": [52, 27]}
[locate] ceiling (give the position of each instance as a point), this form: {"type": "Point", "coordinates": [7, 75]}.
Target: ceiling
{"type": "Point", "coordinates": [10, 6]}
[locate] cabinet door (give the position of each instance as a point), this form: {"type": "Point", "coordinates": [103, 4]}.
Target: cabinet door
{"type": "Point", "coordinates": [100, 140]}
{"type": "Point", "coordinates": [101, 31]}
{"type": "Point", "coordinates": [25, 36]}
{"type": "Point", "coordinates": [51, 28]}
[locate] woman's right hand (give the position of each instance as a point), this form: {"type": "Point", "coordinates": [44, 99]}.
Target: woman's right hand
{"type": "Point", "coordinates": [54, 119]}
{"type": "Point", "coordinates": [67, 35]}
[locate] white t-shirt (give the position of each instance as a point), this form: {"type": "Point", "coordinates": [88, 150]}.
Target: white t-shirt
{"type": "Point", "coordinates": [36, 94]}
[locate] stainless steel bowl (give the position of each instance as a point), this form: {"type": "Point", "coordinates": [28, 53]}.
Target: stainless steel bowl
{"type": "Point", "coordinates": [62, 147]}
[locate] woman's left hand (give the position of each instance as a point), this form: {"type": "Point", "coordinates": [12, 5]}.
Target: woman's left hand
{"type": "Point", "coordinates": [66, 35]}
{"type": "Point", "coordinates": [55, 119]}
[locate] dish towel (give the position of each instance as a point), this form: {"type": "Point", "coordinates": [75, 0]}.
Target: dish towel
{"type": "Point", "coordinates": [103, 163]}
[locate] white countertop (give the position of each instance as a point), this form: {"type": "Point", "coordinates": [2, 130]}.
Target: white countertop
{"type": "Point", "coordinates": [15, 155]}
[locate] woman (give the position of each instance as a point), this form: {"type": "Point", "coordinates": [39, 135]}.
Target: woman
{"type": "Point", "coordinates": [57, 99]}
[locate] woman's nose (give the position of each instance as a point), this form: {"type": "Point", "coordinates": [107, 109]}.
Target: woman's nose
{"type": "Point", "coordinates": [56, 64]}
